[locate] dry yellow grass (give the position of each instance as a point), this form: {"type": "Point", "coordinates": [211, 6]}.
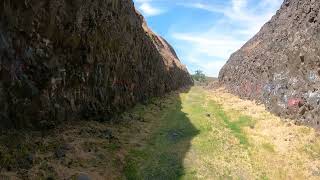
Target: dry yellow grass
{"type": "Point", "coordinates": [282, 149]}
{"type": "Point", "coordinates": [199, 134]}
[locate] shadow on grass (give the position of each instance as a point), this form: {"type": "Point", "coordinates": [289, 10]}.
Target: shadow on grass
{"type": "Point", "coordinates": [162, 155]}
{"type": "Point", "coordinates": [161, 129]}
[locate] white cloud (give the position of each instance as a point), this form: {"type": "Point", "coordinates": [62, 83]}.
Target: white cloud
{"type": "Point", "coordinates": [202, 6]}
{"type": "Point", "coordinates": [238, 5]}
{"type": "Point", "coordinates": [235, 22]}
{"type": "Point", "coordinates": [209, 49]}
{"type": "Point", "coordinates": [210, 44]}
{"type": "Point", "coordinates": [209, 67]}
{"type": "Point", "coordinates": [149, 10]}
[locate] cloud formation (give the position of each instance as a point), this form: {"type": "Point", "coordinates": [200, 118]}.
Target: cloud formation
{"type": "Point", "coordinates": [240, 20]}
{"type": "Point", "coordinates": [148, 9]}
{"type": "Point", "coordinates": [231, 24]}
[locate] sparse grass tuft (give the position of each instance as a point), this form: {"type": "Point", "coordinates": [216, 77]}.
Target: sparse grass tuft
{"type": "Point", "coordinates": [268, 147]}
{"type": "Point", "coordinates": [130, 169]}
{"type": "Point", "coordinates": [313, 149]}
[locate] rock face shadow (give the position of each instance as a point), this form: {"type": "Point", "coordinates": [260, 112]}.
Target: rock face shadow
{"type": "Point", "coordinates": [163, 156]}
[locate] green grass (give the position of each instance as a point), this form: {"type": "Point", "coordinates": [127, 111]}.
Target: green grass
{"type": "Point", "coordinates": [130, 170]}
{"type": "Point", "coordinates": [163, 153]}
{"type": "Point", "coordinates": [236, 127]}
{"type": "Point", "coordinates": [183, 119]}
{"type": "Point", "coordinates": [313, 149]}
{"type": "Point", "coordinates": [191, 135]}
{"type": "Point", "coordinates": [194, 137]}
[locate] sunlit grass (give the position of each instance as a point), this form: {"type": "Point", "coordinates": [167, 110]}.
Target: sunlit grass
{"type": "Point", "coordinates": [236, 127]}
{"type": "Point", "coordinates": [268, 147]}
{"type": "Point", "coordinates": [199, 138]}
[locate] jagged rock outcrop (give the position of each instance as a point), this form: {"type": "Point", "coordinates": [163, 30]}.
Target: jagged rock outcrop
{"type": "Point", "coordinates": [280, 66]}
{"type": "Point", "coordinates": [67, 59]}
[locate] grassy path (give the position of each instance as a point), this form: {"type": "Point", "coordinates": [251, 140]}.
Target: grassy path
{"type": "Point", "coordinates": [198, 134]}
{"type": "Point", "coordinates": [214, 135]}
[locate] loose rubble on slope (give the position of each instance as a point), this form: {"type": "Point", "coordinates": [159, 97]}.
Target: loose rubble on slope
{"type": "Point", "coordinates": [280, 66]}
{"type": "Point", "coordinates": [68, 59]}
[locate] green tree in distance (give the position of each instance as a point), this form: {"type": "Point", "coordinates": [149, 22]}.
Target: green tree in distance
{"type": "Point", "coordinates": [199, 76]}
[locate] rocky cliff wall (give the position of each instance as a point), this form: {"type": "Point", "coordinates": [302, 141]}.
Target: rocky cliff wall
{"type": "Point", "coordinates": [280, 66]}
{"type": "Point", "coordinates": [71, 59]}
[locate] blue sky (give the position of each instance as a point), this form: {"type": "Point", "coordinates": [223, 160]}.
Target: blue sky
{"type": "Point", "coordinates": [206, 32]}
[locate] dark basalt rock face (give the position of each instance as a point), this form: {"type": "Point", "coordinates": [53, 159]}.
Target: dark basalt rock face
{"type": "Point", "coordinates": [67, 59]}
{"type": "Point", "coordinates": [280, 66]}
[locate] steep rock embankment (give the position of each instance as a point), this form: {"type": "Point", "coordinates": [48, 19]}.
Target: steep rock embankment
{"type": "Point", "coordinates": [280, 66]}
{"type": "Point", "coordinates": [67, 59]}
